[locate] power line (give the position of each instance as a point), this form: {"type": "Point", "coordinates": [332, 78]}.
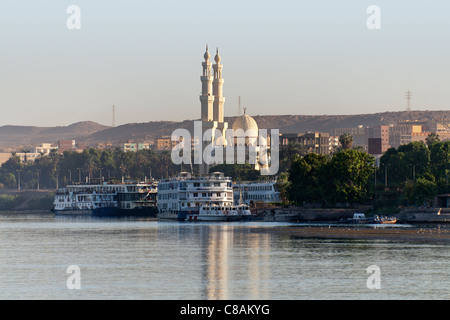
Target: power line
{"type": "Point", "coordinates": [408, 96]}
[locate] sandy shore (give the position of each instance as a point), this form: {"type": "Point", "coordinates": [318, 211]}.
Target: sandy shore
{"type": "Point", "coordinates": [431, 233]}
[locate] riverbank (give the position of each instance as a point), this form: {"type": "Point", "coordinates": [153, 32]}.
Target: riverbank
{"type": "Point", "coordinates": [26, 200]}
{"type": "Point", "coordinates": [430, 233]}
{"type": "Point", "coordinates": [299, 214]}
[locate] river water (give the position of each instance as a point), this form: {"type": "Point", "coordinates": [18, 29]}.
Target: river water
{"type": "Point", "coordinates": [54, 257]}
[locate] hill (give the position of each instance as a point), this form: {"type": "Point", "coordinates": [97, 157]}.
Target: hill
{"type": "Point", "coordinates": [90, 133]}
{"type": "Point", "coordinates": [18, 136]}
{"type": "Point", "coordinates": [285, 123]}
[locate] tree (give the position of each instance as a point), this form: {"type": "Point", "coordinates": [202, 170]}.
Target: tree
{"type": "Point", "coordinates": [306, 178]}
{"type": "Point", "coordinates": [409, 161]}
{"type": "Point", "coordinates": [289, 152]}
{"type": "Point", "coordinates": [416, 159]}
{"type": "Point", "coordinates": [282, 186]}
{"type": "Point", "coordinates": [440, 159]}
{"type": "Point", "coordinates": [431, 139]}
{"type": "Point", "coordinates": [346, 141]}
{"type": "Point", "coordinates": [237, 172]}
{"type": "Point", "coordinates": [349, 175]}
{"type": "Point", "coordinates": [423, 191]}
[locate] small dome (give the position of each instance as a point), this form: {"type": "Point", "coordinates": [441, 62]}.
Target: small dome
{"type": "Point", "coordinates": [217, 57]}
{"type": "Point", "coordinates": [206, 55]}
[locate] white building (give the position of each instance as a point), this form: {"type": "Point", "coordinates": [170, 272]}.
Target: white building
{"type": "Point", "coordinates": [212, 113]}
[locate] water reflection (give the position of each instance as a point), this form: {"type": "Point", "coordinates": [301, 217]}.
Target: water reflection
{"type": "Point", "coordinates": [235, 262]}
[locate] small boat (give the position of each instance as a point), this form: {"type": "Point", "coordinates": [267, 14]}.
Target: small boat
{"type": "Point", "coordinates": [384, 220]}
{"type": "Point", "coordinates": [356, 219]}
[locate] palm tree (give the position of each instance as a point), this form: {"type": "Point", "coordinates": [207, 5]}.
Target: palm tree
{"type": "Point", "coordinates": [346, 141]}
{"type": "Point", "coordinates": [432, 138]}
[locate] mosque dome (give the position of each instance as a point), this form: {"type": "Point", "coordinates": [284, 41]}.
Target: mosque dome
{"type": "Point", "coordinates": [247, 124]}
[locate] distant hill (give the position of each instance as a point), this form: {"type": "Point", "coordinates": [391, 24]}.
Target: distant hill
{"type": "Point", "coordinates": [90, 133]}
{"type": "Point", "coordinates": [17, 136]}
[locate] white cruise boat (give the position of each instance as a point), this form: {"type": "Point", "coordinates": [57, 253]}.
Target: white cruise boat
{"type": "Point", "coordinates": [183, 196]}
{"type": "Point", "coordinates": [106, 199]}
{"type": "Point", "coordinates": [217, 213]}
{"type": "Point", "coordinates": [256, 191]}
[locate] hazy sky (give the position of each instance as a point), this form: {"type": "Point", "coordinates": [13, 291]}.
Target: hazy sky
{"type": "Point", "coordinates": [281, 57]}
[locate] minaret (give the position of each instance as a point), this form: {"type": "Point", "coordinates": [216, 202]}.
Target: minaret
{"type": "Point", "coordinates": [212, 105]}
{"type": "Point", "coordinates": [207, 98]}
{"type": "Point", "coordinates": [219, 99]}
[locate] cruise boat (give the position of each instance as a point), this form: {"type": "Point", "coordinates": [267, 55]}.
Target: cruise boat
{"type": "Point", "coordinates": [256, 191]}
{"type": "Point", "coordinates": [137, 199]}
{"type": "Point", "coordinates": [106, 199]}
{"type": "Point", "coordinates": [184, 195]}
{"type": "Point", "coordinates": [218, 213]}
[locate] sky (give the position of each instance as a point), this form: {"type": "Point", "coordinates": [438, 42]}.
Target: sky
{"type": "Point", "coordinates": [281, 57]}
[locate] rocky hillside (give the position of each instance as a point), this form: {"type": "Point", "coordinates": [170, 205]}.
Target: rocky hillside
{"type": "Point", "coordinates": [90, 133]}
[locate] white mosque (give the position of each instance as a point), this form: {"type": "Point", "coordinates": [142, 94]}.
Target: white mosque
{"type": "Point", "coordinates": [212, 109]}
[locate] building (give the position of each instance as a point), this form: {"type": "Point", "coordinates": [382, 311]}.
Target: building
{"type": "Point", "coordinates": [315, 142]}
{"type": "Point", "coordinates": [135, 146]}
{"type": "Point", "coordinates": [45, 148]}
{"type": "Point", "coordinates": [4, 156]}
{"type": "Point", "coordinates": [66, 145]}
{"type": "Point", "coordinates": [28, 156]}
{"type": "Point", "coordinates": [441, 129]}
{"type": "Point", "coordinates": [104, 145]}
{"type": "Point", "coordinates": [378, 138]}
{"type": "Point", "coordinates": [358, 134]}
{"type": "Point", "coordinates": [164, 143]}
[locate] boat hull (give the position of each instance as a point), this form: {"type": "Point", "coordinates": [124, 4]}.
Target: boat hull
{"type": "Point", "coordinates": [213, 218]}
{"type": "Point", "coordinates": [176, 215]}
{"type": "Point", "coordinates": [139, 212]}
{"type": "Point", "coordinates": [73, 212]}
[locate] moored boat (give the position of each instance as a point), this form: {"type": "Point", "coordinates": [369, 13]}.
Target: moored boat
{"type": "Point", "coordinates": [356, 219]}
{"type": "Point", "coordinates": [221, 213]}
{"type": "Point", "coordinates": [184, 195]}
{"type": "Point", "coordinates": [106, 199]}
{"type": "Point", "coordinates": [384, 220]}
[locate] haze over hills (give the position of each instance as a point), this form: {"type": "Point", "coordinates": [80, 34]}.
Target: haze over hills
{"type": "Point", "coordinates": [16, 136]}
{"type": "Point", "coordinates": [89, 133]}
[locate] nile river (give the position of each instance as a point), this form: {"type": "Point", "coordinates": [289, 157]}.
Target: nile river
{"type": "Point", "coordinates": [147, 259]}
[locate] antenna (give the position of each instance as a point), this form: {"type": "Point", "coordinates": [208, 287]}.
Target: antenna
{"type": "Point", "coordinates": [408, 96]}
{"type": "Point", "coordinates": [239, 106]}
{"type": "Point", "coordinates": [113, 115]}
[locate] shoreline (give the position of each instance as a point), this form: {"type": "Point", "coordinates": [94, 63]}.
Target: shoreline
{"type": "Point", "coordinates": [420, 234]}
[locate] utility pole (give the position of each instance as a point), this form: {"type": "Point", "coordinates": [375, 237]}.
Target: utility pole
{"type": "Point", "coordinates": [114, 116]}
{"type": "Point", "coordinates": [18, 184]}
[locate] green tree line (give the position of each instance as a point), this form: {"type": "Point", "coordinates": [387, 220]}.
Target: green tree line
{"type": "Point", "coordinates": [48, 172]}
{"type": "Point", "coordinates": [412, 174]}
{"type": "Point", "coordinates": [416, 172]}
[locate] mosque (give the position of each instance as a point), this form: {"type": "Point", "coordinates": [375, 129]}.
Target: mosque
{"type": "Point", "coordinates": [212, 109]}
